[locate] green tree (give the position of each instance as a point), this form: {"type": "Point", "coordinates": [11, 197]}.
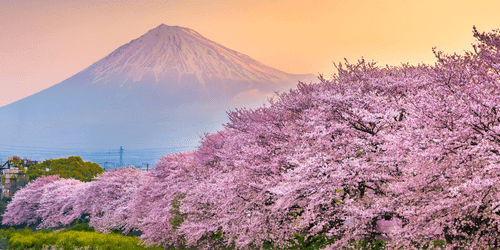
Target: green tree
{"type": "Point", "coordinates": [71, 167]}
{"type": "Point", "coordinates": [18, 163]}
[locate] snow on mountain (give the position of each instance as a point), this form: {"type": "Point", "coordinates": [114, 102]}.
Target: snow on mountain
{"type": "Point", "coordinates": [187, 52]}
{"type": "Point", "coordinates": [165, 88]}
{"type": "Point", "coordinates": [172, 55]}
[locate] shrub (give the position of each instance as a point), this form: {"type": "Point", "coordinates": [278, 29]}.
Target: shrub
{"type": "Point", "coordinates": [70, 239]}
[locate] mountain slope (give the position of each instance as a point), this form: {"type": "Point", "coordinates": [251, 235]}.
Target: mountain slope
{"type": "Point", "coordinates": [162, 89]}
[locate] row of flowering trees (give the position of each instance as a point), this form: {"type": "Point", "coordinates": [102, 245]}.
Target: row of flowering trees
{"type": "Point", "coordinates": [410, 153]}
{"type": "Point", "coordinates": [51, 201]}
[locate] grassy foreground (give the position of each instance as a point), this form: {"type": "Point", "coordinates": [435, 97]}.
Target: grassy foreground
{"type": "Point", "coordinates": [83, 237]}
{"type": "Point", "coordinates": [78, 237]}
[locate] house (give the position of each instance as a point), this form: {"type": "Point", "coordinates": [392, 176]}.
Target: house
{"type": "Point", "coordinates": [13, 174]}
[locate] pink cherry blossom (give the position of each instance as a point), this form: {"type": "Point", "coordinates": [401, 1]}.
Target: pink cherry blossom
{"type": "Point", "coordinates": [408, 153]}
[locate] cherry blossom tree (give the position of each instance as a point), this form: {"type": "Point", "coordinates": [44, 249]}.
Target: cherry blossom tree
{"type": "Point", "coordinates": [312, 163]}
{"type": "Point", "coordinates": [60, 201]}
{"type": "Point", "coordinates": [110, 197]}
{"type": "Point", "coordinates": [25, 202]}
{"type": "Point", "coordinates": [51, 199]}
{"type": "Point", "coordinates": [412, 144]}
{"type": "Point", "coordinates": [157, 208]}
{"type": "Point", "coordinates": [406, 153]}
{"type": "Point", "coordinates": [453, 187]}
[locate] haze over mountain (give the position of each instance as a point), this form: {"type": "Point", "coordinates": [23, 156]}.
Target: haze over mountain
{"type": "Point", "coordinates": [159, 92]}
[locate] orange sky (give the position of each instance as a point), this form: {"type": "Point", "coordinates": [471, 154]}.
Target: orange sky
{"type": "Point", "coordinates": [43, 42]}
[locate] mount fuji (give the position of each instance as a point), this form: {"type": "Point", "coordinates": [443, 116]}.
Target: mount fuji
{"type": "Point", "coordinates": [154, 95]}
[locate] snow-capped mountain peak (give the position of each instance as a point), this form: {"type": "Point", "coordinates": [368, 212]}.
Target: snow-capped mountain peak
{"type": "Point", "coordinates": [160, 90]}
{"type": "Point", "coordinates": [173, 51]}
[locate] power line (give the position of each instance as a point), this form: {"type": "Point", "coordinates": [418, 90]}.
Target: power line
{"type": "Point", "coordinates": [136, 151]}
{"type": "Point", "coordinates": [88, 149]}
{"type": "Point", "coordinates": [139, 153]}
{"type": "Point", "coordinates": [86, 143]}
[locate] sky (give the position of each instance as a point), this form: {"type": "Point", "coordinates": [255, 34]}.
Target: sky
{"type": "Point", "coordinates": [43, 42]}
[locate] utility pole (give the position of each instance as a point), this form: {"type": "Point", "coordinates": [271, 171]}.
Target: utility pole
{"type": "Point", "coordinates": [121, 156]}
{"type": "Point", "coordinates": [147, 166]}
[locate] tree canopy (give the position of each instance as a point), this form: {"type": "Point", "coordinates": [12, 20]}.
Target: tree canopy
{"type": "Point", "coordinates": [71, 167]}
{"type": "Point", "coordinates": [409, 153]}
